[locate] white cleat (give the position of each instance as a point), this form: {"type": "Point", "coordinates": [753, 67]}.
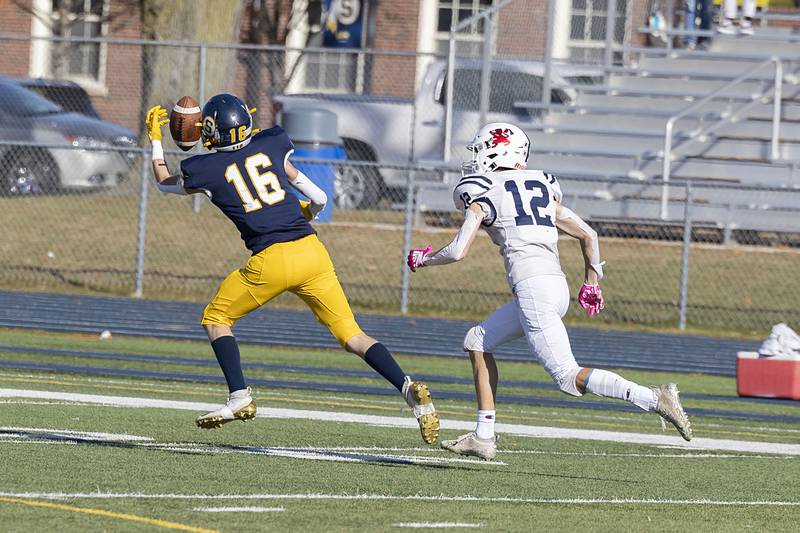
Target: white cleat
{"type": "Point", "coordinates": [470, 444]}
{"type": "Point", "coordinates": [726, 27]}
{"type": "Point", "coordinates": [418, 398]}
{"type": "Point", "coordinates": [240, 406]}
{"type": "Point", "coordinates": [670, 409]}
{"type": "Point", "coordinates": [745, 27]}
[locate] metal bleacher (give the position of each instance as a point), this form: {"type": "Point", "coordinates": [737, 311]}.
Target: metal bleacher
{"type": "Point", "coordinates": [616, 129]}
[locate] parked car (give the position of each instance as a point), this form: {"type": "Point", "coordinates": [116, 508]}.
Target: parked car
{"type": "Point", "coordinates": [68, 95]}
{"type": "Point", "coordinates": [400, 130]}
{"type": "Point", "coordinates": [72, 156]}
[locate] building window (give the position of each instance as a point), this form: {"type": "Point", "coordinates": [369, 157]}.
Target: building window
{"type": "Point", "coordinates": [80, 18]}
{"type": "Point", "coordinates": [587, 33]}
{"type": "Point", "coordinates": [83, 62]}
{"type": "Point", "coordinates": [470, 40]}
{"type": "Point", "coordinates": [329, 71]}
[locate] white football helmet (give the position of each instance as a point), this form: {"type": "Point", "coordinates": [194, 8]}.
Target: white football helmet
{"type": "Point", "coordinates": [497, 145]}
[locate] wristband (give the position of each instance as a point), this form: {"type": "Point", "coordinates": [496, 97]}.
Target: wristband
{"type": "Point", "coordinates": [158, 150]}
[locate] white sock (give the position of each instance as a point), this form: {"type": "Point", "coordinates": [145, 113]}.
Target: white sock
{"type": "Point", "coordinates": [241, 393]}
{"type": "Point", "coordinates": [485, 429]}
{"type": "Point", "coordinates": [611, 385]}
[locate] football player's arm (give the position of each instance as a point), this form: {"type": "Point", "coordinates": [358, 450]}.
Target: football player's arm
{"type": "Point", "coordinates": [458, 247]}
{"type": "Point", "coordinates": [574, 226]}
{"type": "Point", "coordinates": [304, 185]}
{"type": "Point", "coordinates": [156, 118]}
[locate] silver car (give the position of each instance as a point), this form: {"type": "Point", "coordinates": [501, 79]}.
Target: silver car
{"type": "Point", "coordinates": [44, 149]}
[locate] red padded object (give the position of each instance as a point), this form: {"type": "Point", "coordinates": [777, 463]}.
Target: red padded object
{"type": "Point", "coordinates": [767, 377]}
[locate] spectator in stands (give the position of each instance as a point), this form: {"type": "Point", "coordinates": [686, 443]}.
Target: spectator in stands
{"type": "Point", "coordinates": [745, 23]}
{"type": "Point", "coordinates": [698, 8]}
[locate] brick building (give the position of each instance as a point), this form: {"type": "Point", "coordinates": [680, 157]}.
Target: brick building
{"type": "Point", "coordinates": [112, 74]}
{"type": "Point", "coordinates": [108, 73]}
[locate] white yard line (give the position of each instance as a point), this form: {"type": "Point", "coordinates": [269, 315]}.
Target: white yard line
{"type": "Point", "coordinates": [39, 436]}
{"type": "Point", "coordinates": [408, 422]}
{"type": "Point", "coordinates": [183, 387]}
{"type": "Point", "coordinates": [201, 449]}
{"type": "Point", "coordinates": [436, 525]}
{"type": "Point", "coordinates": [239, 509]}
{"type": "Point", "coordinates": [72, 433]}
{"type": "Point", "coordinates": [28, 402]}
{"type": "Point", "coordinates": [688, 455]}
{"type": "Point", "coordinates": [387, 497]}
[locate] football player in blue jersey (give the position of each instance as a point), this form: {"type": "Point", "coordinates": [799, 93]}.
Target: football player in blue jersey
{"type": "Point", "coordinates": [248, 176]}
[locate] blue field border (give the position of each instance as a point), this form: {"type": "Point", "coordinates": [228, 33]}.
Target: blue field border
{"type": "Point", "coordinates": [407, 335]}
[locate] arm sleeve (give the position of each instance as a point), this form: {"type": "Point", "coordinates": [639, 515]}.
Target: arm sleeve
{"type": "Point", "coordinates": [457, 249]}
{"type": "Point", "coordinates": [175, 188]}
{"type": "Point", "coordinates": [304, 185]}
{"type": "Point", "coordinates": [568, 219]}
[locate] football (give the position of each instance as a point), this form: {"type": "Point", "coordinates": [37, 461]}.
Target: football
{"type": "Point", "coordinates": [184, 122]}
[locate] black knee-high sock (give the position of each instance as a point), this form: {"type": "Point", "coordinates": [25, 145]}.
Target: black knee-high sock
{"type": "Point", "coordinates": [379, 358]}
{"type": "Point", "coordinates": [227, 352]}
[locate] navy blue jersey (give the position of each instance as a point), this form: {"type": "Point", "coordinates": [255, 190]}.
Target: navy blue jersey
{"type": "Point", "coordinates": [250, 186]}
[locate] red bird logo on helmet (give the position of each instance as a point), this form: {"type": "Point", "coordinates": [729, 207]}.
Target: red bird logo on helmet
{"type": "Point", "coordinates": [499, 136]}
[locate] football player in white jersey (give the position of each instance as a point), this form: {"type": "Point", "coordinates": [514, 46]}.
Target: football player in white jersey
{"type": "Point", "coordinates": [521, 211]}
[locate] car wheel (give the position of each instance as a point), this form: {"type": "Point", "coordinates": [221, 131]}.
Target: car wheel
{"type": "Point", "coordinates": [28, 172]}
{"type": "Point", "coordinates": [356, 187]}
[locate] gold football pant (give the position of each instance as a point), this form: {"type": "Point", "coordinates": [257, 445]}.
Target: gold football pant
{"type": "Point", "coordinates": [302, 267]}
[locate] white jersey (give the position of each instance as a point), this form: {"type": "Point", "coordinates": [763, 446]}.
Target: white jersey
{"type": "Point", "coordinates": [520, 216]}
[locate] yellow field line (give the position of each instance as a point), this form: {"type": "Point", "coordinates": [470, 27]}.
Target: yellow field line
{"type": "Point", "coordinates": [362, 404]}
{"type": "Point", "coordinates": [111, 514]}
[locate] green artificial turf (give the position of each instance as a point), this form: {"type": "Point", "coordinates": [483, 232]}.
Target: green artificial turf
{"type": "Point", "coordinates": [535, 484]}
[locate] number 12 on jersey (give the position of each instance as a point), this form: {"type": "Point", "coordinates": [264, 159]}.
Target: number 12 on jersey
{"type": "Point", "coordinates": [266, 184]}
{"type": "Point", "coordinates": [542, 200]}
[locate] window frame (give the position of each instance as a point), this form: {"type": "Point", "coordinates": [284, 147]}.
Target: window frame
{"type": "Point", "coordinates": [442, 38]}
{"type": "Point", "coordinates": [42, 62]}
{"type": "Point", "coordinates": [585, 46]}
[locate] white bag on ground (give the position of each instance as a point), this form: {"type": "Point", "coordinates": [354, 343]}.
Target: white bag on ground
{"type": "Point", "coordinates": [782, 341]}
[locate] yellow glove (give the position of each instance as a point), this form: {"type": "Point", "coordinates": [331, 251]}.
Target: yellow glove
{"type": "Point", "coordinates": [156, 117]}
{"type": "Point", "coordinates": [304, 207]}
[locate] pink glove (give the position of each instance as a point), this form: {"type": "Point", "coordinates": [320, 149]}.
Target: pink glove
{"type": "Point", "coordinates": [416, 257]}
{"type": "Point", "coordinates": [591, 298]}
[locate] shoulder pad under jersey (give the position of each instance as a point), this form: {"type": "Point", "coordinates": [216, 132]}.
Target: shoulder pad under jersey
{"type": "Point", "coordinates": [554, 184]}
{"type": "Point", "coordinates": [469, 189]}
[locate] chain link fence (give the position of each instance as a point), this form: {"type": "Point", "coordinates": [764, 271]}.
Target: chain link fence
{"type": "Point", "coordinates": [82, 215]}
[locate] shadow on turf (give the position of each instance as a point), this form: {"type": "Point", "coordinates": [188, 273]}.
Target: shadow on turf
{"type": "Point", "coordinates": [207, 448]}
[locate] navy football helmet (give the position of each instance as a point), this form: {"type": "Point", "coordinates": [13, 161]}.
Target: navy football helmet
{"type": "Point", "coordinates": [227, 123]}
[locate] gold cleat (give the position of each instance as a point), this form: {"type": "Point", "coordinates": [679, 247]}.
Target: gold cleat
{"type": "Point", "coordinates": [418, 397]}
{"type": "Point", "coordinates": [240, 406]}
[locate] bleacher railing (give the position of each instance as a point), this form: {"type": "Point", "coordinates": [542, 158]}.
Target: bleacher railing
{"type": "Point", "coordinates": [723, 119]}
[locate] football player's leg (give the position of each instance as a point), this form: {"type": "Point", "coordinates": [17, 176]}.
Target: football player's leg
{"type": "Point", "coordinates": [500, 327]}
{"type": "Point", "coordinates": [241, 292]}
{"type": "Point", "coordinates": [323, 294]}
{"type": "Point", "coordinates": [542, 302]}
{"type": "Point", "coordinates": [315, 282]}
{"type": "Point", "coordinates": [480, 341]}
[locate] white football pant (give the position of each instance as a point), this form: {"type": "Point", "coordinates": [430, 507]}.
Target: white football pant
{"type": "Point", "coordinates": [536, 313]}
